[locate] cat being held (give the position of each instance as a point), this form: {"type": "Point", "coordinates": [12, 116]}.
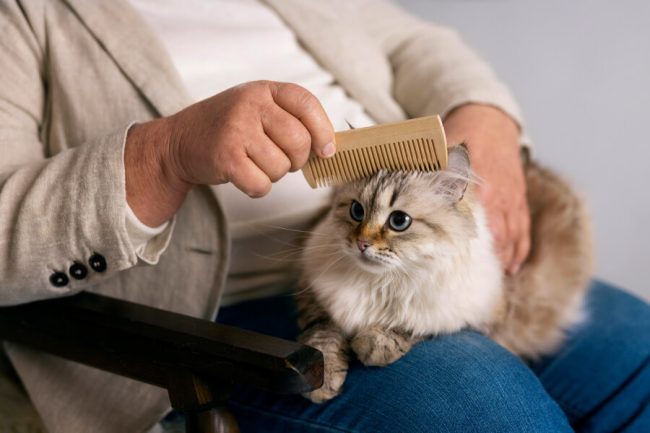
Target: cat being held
{"type": "Point", "coordinates": [404, 256]}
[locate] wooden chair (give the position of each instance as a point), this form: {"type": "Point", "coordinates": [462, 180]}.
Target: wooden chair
{"type": "Point", "coordinates": [197, 361]}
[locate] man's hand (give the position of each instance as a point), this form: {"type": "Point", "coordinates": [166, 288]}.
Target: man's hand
{"type": "Point", "coordinates": [250, 135]}
{"type": "Point", "coordinates": [493, 141]}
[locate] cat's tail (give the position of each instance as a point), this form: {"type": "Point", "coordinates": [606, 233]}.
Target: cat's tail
{"type": "Point", "coordinates": [545, 298]}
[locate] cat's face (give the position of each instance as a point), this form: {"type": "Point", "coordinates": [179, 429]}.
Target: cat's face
{"type": "Point", "coordinates": [395, 220]}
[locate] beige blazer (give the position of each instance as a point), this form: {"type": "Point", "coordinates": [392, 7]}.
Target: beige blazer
{"type": "Point", "coordinates": [74, 74]}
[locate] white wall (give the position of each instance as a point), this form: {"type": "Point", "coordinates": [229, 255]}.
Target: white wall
{"type": "Point", "coordinates": [581, 71]}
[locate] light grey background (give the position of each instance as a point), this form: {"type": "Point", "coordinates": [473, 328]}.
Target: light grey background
{"type": "Point", "coordinates": [581, 71]}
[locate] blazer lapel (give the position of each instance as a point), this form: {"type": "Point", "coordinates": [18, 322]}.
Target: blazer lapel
{"type": "Point", "coordinates": [136, 50]}
{"type": "Point", "coordinates": [355, 60]}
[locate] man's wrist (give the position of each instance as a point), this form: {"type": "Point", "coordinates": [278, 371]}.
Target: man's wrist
{"type": "Point", "coordinates": [154, 190]}
{"type": "Point", "coordinates": [465, 122]}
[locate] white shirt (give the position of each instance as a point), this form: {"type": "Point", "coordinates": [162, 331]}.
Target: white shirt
{"type": "Point", "coordinates": [217, 44]}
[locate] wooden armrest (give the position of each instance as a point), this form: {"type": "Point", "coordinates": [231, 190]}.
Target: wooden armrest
{"type": "Point", "coordinates": [162, 348]}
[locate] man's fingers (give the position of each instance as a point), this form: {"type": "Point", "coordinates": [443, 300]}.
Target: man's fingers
{"type": "Point", "coordinates": [506, 254]}
{"type": "Point", "coordinates": [300, 103]}
{"type": "Point", "coordinates": [522, 245]}
{"type": "Point", "coordinates": [269, 158]}
{"type": "Point", "coordinates": [499, 230]}
{"type": "Point", "coordinates": [250, 179]}
{"type": "Point", "coordinates": [503, 241]}
{"type": "Point", "coordinates": [522, 248]}
{"type": "Point", "coordinates": [289, 134]}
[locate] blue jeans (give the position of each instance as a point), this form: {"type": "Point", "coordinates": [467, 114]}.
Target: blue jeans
{"type": "Point", "coordinates": [598, 382]}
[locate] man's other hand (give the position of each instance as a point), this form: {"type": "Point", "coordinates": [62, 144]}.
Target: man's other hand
{"type": "Point", "coordinates": [493, 141]}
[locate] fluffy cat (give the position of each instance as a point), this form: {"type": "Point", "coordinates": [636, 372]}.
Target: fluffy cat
{"type": "Point", "coordinates": [401, 256]}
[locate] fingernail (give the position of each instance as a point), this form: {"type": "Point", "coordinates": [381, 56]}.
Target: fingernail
{"type": "Point", "coordinates": [328, 150]}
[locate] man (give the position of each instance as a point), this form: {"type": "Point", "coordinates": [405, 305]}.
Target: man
{"type": "Point", "coordinates": [87, 194]}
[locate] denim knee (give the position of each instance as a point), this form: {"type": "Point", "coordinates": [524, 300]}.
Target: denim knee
{"type": "Point", "coordinates": [601, 377]}
{"type": "Point", "coordinates": [458, 383]}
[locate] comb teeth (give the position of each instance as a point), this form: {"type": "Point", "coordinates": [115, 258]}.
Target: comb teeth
{"type": "Point", "coordinates": [350, 165]}
{"type": "Point", "coordinates": [414, 145]}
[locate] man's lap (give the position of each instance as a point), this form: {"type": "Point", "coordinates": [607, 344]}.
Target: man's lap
{"type": "Point", "coordinates": [464, 382]}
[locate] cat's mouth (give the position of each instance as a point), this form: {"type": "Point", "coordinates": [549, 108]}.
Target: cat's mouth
{"type": "Point", "coordinates": [367, 258]}
{"type": "Point", "coordinates": [370, 264]}
{"type": "Point", "coordinates": [372, 261]}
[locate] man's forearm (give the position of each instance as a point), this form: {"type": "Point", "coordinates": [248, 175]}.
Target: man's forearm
{"type": "Point", "coordinates": [153, 191]}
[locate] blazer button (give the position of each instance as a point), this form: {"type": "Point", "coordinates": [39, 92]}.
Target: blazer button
{"type": "Point", "coordinates": [97, 262]}
{"type": "Point", "coordinates": [59, 279]}
{"type": "Point", "coordinates": [78, 271]}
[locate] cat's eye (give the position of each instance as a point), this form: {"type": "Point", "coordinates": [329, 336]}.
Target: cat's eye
{"type": "Point", "coordinates": [356, 211]}
{"type": "Point", "coordinates": [399, 221]}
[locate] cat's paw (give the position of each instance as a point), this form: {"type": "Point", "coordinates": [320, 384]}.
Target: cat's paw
{"type": "Point", "coordinates": [333, 378]}
{"type": "Point", "coordinates": [377, 347]}
{"type": "Point", "coordinates": [333, 346]}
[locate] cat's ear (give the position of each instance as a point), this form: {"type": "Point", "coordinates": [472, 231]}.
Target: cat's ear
{"type": "Point", "coordinates": [452, 182]}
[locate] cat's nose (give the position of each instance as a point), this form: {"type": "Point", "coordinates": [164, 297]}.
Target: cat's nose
{"type": "Point", "coordinates": [363, 245]}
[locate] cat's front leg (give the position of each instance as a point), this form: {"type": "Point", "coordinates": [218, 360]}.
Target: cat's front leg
{"type": "Point", "coordinates": [320, 332]}
{"type": "Point", "coordinates": [329, 339]}
{"type": "Point", "coordinates": [378, 347]}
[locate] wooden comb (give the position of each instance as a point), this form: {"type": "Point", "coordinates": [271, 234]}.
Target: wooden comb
{"type": "Point", "coordinates": [416, 144]}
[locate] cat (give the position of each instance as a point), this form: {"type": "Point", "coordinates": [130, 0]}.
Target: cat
{"type": "Point", "coordinates": [404, 256]}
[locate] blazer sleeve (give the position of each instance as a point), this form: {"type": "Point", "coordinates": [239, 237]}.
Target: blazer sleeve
{"type": "Point", "coordinates": [62, 218]}
{"type": "Point", "coordinates": [434, 70]}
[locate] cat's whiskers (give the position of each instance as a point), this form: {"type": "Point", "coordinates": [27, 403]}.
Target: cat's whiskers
{"type": "Point", "coordinates": [318, 246]}
{"type": "Point", "coordinates": [285, 242]}
{"type": "Point", "coordinates": [282, 259]}
{"type": "Point", "coordinates": [327, 268]}
{"type": "Point", "coordinates": [300, 248]}
{"type": "Point", "coordinates": [291, 244]}
{"type": "Point", "coordinates": [285, 255]}
{"type": "Point", "coordinates": [308, 232]}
